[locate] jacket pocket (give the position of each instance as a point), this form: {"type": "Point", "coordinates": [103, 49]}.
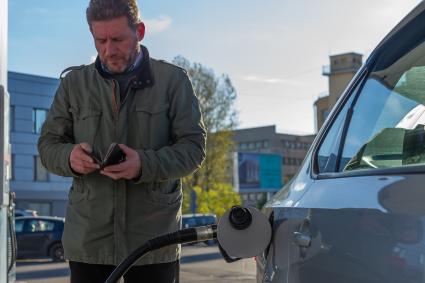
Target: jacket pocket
{"type": "Point", "coordinates": [77, 192]}
{"type": "Point", "coordinates": [166, 192]}
{"type": "Point", "coordinates": [153, 126]}
{"type": "Point", "coordinates": [86, 122]}
{"type": "Point", "coordinates": [152, 110]}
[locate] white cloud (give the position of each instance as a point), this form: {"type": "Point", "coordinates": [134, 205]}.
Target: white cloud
{"type": "Point", "coordinates": [93, 58]}
{"type": "Point", "coordinates": [270, 80]}
{"type": "Point", "coordinates": [159, 24]}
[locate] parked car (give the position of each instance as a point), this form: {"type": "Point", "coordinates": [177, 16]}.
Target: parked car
{"type": "Point", "coordinates": [25, 212]}
{"type": "Point", "coordinates": [355, 211]}
{"type": "Point", "coordinates": [195, 220]}
{"type": "Point", "coordinates": [39, 237]}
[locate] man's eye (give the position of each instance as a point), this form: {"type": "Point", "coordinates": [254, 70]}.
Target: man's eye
{"type": "Point", "coordinates": [101, 41]}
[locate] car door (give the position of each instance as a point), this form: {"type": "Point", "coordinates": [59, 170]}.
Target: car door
{"type": "Point", "coordinates": [19, 229]}
{"type": "Point", "coordinates": [35, 237]}
{"type": "Point", "coordinates": [362, 219]}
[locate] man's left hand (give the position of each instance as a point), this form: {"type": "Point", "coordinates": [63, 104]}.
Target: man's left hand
{"type": "Point", "coordinates": [129, 169]}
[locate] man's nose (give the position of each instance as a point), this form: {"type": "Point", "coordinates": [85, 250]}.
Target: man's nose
{"type": "Point", "coordinates": [110, 49]}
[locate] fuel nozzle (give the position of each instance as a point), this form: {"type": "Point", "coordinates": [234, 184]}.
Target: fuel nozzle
{"type": "Point", "coordinates": [240, 217]}
{"type": "Point", "coordinates": [243, 232]}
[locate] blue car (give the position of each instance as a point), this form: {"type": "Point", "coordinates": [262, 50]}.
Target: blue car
{"type": "Point", "coordinates": [39, 237]}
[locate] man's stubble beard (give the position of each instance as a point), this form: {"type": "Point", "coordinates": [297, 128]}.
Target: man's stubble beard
{"type": "Point", "coordinates": [129, 61]}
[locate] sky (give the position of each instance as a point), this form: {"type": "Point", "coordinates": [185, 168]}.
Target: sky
{"type": "Point", "coordinates": [273, 50]}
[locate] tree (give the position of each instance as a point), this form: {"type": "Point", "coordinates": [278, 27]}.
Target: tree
{"type": "Point", "coordinates": [216, 96]}
{"type": "Point", "coordinates": [218, 199]}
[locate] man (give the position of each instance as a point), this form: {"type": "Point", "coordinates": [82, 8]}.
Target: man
{"type": "Point", "coordinates": [146, 106]}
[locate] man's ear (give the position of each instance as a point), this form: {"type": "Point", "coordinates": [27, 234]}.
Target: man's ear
{"type": "Point", "coordinates": [140, 31]}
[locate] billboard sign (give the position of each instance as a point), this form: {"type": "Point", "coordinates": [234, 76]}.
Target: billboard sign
{"type": "Point", "coordinates": [259, 171]}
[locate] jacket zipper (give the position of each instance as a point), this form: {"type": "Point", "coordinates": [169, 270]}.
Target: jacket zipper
{"type": "Point", "coordinates": [114, 99]}
{"type": "Point", "coordinates": [116, 219]}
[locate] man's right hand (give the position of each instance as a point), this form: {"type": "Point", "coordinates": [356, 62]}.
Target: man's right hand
{"type": "Point", "coordinates": [80, 160]}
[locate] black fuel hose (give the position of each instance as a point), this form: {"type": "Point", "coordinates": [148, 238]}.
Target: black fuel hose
{"type": "Point", "coordinates": [11, 235]}
{"type": "Point", "coordinates": [190, 235]}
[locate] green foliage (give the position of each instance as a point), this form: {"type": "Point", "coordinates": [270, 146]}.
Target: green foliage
{"type": "Point", "coordinates": [218, 199]}
{"type": "Point", "coordinates": [216, 96]}
{"type": "Point", "coordinates": [261, 203]}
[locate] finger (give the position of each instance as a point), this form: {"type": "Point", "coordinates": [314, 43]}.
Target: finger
{"type": "Point", "coordinates": [123, 166]}
{"type": "Point", "coordinates": [83, 170]}
{"type": "Point", "coordinates": [83, 156]}
{"type": "Point", "coordinates": [89, 170]}
{"type": "Point", "coordinates": [127, 150]}
{"type": "Point", "coordinates": [90, 165]}
{"type": "Point", "coordinates": [86, 147]}
{"type": "Point", "coordinates": [81, 164]}
{"type": "Point", "coordinates": [115, 176]}
{"type": "Point", "coordinates": [87, 159]}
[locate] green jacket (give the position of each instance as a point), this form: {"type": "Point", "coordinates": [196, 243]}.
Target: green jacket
{"type": "Point", "coordinates": [161, 119]}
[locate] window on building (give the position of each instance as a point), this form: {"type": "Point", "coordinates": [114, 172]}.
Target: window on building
{"type": "Point", "coordinates": [258, 145]}
{"type": "Point", "coordinates": [243, 146]}
{"type": "Point", "coordinates": [40, 173]}
{"type": "Point", "coordinates": [252, 145]}
{"type": "Point", "coordinates": [39, 116]}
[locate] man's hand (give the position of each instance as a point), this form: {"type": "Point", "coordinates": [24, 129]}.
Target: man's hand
{"type": "Point", "coordinates": [80, 160]}
{"type": "Point", "coordinates": [129, 169]}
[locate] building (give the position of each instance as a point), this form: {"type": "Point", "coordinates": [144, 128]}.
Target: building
{"type": "Point", "coordinates": [341, 70]}
{"type": "Point", "coordinates": [292, 149]}
{"type": "Point", "coordinates": [35, 188]}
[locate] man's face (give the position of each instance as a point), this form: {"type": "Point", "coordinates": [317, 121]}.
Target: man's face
{"type": "Point", "coordinates": [116, 43]}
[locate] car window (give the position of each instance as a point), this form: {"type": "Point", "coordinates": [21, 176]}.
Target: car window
{"type": "Point", "coordinates": [328, 151]}
{"type": "Point", "coordinates": [36, 225]}
{"type": "Point", "coordinates": [205, 220]}
{"type": "Point", "coordinates": [387, 128]}
{"type": "Point", "coordinates": [190, 222]}
{"type": "Point", "coordinates": [19, 225]}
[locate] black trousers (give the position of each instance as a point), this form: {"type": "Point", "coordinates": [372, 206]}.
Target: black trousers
{"type": "Point", "coordinates": [152, 273]}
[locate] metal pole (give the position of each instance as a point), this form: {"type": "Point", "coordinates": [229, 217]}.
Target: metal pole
{"type": "Point", "coordinates": [4, 144]}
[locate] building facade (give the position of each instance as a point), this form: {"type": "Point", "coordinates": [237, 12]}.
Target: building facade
{"type": "Point", "coordinates": [34, 187]}
{"type": "Point", "coordinates": [292, 149]}
{"type": "Point", "coordinates": [341, 70]}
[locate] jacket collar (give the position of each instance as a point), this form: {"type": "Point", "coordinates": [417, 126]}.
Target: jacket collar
{"type": "Point", "coordinates": [143, 77]}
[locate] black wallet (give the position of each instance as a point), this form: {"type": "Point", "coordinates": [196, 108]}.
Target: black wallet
{"type": "Point", "coordinates": [113, 156]}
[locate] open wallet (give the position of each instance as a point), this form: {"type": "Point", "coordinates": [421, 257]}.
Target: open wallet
{"type": "Point", "coordinates": [113, 156]}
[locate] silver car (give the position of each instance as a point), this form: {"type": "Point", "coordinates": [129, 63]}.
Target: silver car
{"type": "Point", "coordinates": [355, 212]}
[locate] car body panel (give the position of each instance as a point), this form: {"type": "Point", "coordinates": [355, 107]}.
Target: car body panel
{"type": "Point", "coordinates": [359, 225]}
